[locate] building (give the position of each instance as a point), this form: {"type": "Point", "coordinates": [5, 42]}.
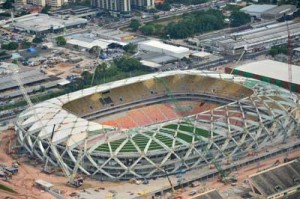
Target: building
{"type": "Point", "coordinates": [87, 41]}
{"type": "Point", "coordinates": [28, 77]}
{"type": "Point", "coordinates": [155, 142]}
{"type": "Point", "coordinates": [52, 3]}
{"type": "Point", "coordinates": [38, 23]}
{"type": "Point", "coordinates": [167, 49]}
{"type": "Point", "coordinates": [56, 3]}
{"type": "Point", "coordinates": [270, 71]}
{"type": "Point", "coordinates": [34, 2]}
{"type": "Point", "coordinates": [123, 6]}
{"type": "Point", "coordinates": [115, 6]}
{"type": "Point", "coordinates": [78, 11]}
{"type": "Point", "coordinates": [280, 182]}
{"type": "Point", "coordinates": [253, 40]}
{"type": "Point", "coordinates": [159, 1]}
{"type": "Point", "coordinates": [279, 11]}
{"type": "Point", "coordinates": [296, 53]}
{"type": "Point", "coordinates": [257, 10]}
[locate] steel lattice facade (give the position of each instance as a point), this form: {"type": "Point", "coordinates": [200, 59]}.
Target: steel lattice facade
{"type": "Point", "coordinates": [229, 131]}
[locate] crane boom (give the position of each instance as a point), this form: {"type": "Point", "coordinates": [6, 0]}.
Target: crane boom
{"type": "Point", "coordinates": [30, 104]}
{"type": "Point", "coordinates": [289, 57]}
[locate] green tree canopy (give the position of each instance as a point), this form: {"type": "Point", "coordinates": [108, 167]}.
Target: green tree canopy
{"type": "Point", "coordinates": [163, 6]}
{"type": "Point", "coordinates": [25, 44]}
{"type": "Point", "coordinates": [95, 51]}
{"type": "Point", "coordinates": [46, 9]}
{"type": "Point", "coordinates": [275, 50]}
{"type": "Point", "coordinates": [134, 24]}
{"type": "Point", "coordinates": [8, 4]}
{"type": "Point", "coordinates": [127, 64]}
{"type": "Point", "coordinates": [130, 48]}
{"type": "Point", "coordinates": [10, 46]}
{"type": "Point", "coordinates": [148, 29]}
{"type": "Point", "coordinates": [196, 22]}
{"type": "Point", "coordinates": [37, 40]}
{"type": "Point", "coordinates": [238, 18]}
{"type": "Point", "coordinates": [61, 41]}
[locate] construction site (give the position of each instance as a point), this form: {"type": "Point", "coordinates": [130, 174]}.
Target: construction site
{"type": "Point", "coordinates": [163, 135]}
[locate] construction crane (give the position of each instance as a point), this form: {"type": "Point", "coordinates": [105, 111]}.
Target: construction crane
{"type": "Point", "coordinates": [73, 180]}
{"type": "Point", "coordinates": [223, 175]}
{"type": "Point", "coordinates": [62, 165]}
{"type": "Point", "coordinates": [289, 56]}
{"type": "Point", "coordinates": [238, 61]}
{"type": "Point", "coordinates": [169, 180]}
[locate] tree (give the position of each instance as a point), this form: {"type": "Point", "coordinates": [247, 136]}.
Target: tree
{"type": "Point", "coordinates": [155, 17]}
{"type": "Point", "coordinates": [195, 22]}
{"type": "Point", "coordinates": [46, 9]}
{"type": "Point", "coordinates": [61, 41]}
{"type": "Point", "coordinates": [100, 70]}
{"type": "Point", "coordinates": [25, 44]}
{"type": "Point", "coordinates": [95, 50]}
{"type": "Point", "coordinates": [275, 50]}
{"type": "Point", "coordinates": [8, 4]}
{"type": "Point", "coordinates": [87, 77]}
{"type": "Point", "coordinates": [130, 48]}
{"type": "Point", "coordinates": [10, 46]}
{"type": "Point", "coordinates": [147, 29]}
{"type": "Point", "coordinates": [127, 64]}
{"type": "Point", "coordinates": [134, 24]}
{"type": "Point", "coordinates": [37, 40]}
{"type": "Point", "coordinates": [152, 10]}
{"type": "Point", "coordinates": [238, 18]}
{"type": "Point", "coordinates": [163, 6]}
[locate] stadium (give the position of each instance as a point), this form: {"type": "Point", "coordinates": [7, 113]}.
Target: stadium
{"type": "Point", "coordinates": [165, 122]}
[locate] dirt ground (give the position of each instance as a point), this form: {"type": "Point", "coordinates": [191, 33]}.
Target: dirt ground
{"type": "Point", "coordinates": [23, 182]}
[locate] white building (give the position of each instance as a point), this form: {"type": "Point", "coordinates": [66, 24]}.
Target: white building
{"type": "Point", "coordinates": [160, 47]}
{"type": "Point", "coordinates": [257, 10]}
{"type": "Point", "coordinates": [113, 5]}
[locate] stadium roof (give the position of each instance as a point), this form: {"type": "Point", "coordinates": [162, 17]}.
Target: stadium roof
{"type": "Point", "coordinates": [272, 69]}
{"type": "Point", "coordinates": [277, 179]}
{"type": "Point", "coordinates": [75, 128]}
{"type": "Point", "coordinates": [258, 8]}
{"type": "Point", "coordinates": [211, 194]}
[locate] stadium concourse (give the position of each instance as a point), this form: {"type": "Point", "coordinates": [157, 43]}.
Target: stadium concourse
{"type": "Point", "coordinates": [180, 120]}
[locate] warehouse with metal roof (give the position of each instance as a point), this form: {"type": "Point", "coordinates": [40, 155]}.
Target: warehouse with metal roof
{"type": "Point", "coordinates": [43, 23]}
{"type": "Point", "coordinates": [279, 11]}
{"type": "Point", "coordinates": [26, 76]}
{"type": "Point", "coordinates": [257, 10]}
{"type": "Point", "coordinates": [160, 47]}
{"type": "Point", "coordinates": [253, 40]}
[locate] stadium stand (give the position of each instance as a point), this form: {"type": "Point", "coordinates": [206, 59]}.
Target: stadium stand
{"type": "Point", "coordinates": [118, 152]}
{"type": "Point", "coordinates": [211, 194]}
{"type": "Point", "coordinates": [282, 181]}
